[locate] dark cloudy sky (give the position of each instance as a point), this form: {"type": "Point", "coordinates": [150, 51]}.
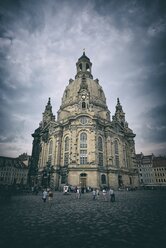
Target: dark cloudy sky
{"type": "Point", "coordinates": [40, 42]}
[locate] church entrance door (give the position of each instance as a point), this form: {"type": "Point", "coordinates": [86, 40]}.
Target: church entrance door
{"type": "Point", "coordinates": [83, 179]}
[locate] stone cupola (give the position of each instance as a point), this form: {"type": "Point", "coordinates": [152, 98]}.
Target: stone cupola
{"type": "Point", "coordinates": [83, 95]}
{"type": "Point", "coordinates": [84, 67]}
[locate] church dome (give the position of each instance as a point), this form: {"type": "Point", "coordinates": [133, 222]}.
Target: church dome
{"type": "Point", "coordinates": [92, 87]}
{"type": "Point", "coordinates": [83, 85]}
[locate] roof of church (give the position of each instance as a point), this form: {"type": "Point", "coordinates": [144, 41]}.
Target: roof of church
{"type": "Point", "coordinates": [84, 82]}
{"type": "Point", "coordinates": [84, 57]}
{"type": "Point", "coordinates": [93, 87]}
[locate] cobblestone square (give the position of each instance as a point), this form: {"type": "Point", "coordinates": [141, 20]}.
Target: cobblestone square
{"type": "Point", "coordinates": [135, 219]}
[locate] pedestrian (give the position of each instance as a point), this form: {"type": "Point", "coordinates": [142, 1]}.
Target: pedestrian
{"type": "Point", "coordinates": [94, 194]}
{"type": "Point", "coordinates": [112, 195]}
{"type": "Point", "coordinates": [104, 194]}
{"type": "Point", "coordinates": [97, 193]}
{"type": "Point", "coordinates": [50, 197]}
{"type": "Point", "coordinates": [78, 193]}
{"type": "Point", "coordinates": [32, 189]}
{"type": "Point", "coordinates": [44, 195]}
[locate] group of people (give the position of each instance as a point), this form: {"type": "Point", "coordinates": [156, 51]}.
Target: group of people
{"type": "Point", "coordinates": [106, 194]}
{"type": "Point", "coordinates": [47, 193]}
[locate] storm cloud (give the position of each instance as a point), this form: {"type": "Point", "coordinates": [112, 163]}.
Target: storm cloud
{"type": "Point", "coordinates": [40, 42]}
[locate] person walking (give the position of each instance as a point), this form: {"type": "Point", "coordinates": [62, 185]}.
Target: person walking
{"type": "Point", "coordinates": [97, 193]}
{"type": "Point", "coordinates": [112, 195]}
{"type": "Point", "coordinates": [78, 193]}
{"type": "Point", "coordinates": [94, 194]}
{"type": "Point", "coordinates": [50, 197]}
{"type": "Point", "coordinates": [104, 194]}
{"type": "Point", "coordinates": [44, 195]}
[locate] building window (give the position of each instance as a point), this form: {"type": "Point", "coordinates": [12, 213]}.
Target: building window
{"type": "Point", "coordinates": [83, 140]}
{"type": "Point", "coordinates": [100, 149]}
{"type": "Point", "coordinates": [116, 147]}
{"type": "Point", "coordinates": [100, 144]}
{"type": "Point", "coordinates": [83, 148]}
{"type": "Point", "coordinates": [116, 153]}
{"type": "Point", "coordinates": [83, 156]}
{"type": "Point", "coordinates": [100, 159]}
{"type": "Point", "coordinates": [87, 67]}
{"type": "Point", "coordinates": [66, 144]}
{"type": "Point", "coordinates": [103, 179]}
{"type": "Point", "coordinates": [83, 105]}
{"type": "Point", "coordinates": [66, 158]}
{"type": "Point", "coordinates": [80, 67]}
{"type": "Point", "coordinates": [117, 160]}
{"type": "Point", "coordinates": [50, 151]}
{"type": "Point", "coordinates": [66, 153]}
{"type": "Point", "coordinates": [50, 146]}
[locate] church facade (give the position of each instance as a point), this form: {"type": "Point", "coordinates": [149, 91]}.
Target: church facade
{"type": "Point", "coordinates": [83, 146]}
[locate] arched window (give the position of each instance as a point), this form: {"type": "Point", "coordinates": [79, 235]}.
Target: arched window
{"type": "Point", "coordinates": [87, 67]}
{"type": "Point", "coordinates": [83, 140]}
{"type": "Point", "coordinates": [50, 147]}
{"type": "Point", "coordinates": [50, 151]}
{"type": "Point", "coordinates": [83, 105]}
{"type": "Point", "coordinates": [66, 151]}
{"type": "Point", "coordinates": [100, 144]}
{"type": "Point", "coordinates": [103, 179]}
{"type": "Point", "coordinates": [66, 143]}
{"type": "Point", "coordinates": [116, 147]}
{"type": "Point", "coordinates": [80, 67]}
{"type": "Point", "coordinates": [116, 153]}
{"type": "Point", "coordinates": [83, 148]}
{"type": "Point", "coordinates": [100, 150]}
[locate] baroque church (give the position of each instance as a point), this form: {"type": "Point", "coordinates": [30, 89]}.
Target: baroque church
{"type": "Point", "coordinates": [83, 146]}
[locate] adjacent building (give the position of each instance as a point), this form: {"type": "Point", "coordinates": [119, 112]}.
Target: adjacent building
{"type": "Point", "coordinates": [159, 167]}
{"type": "Point", "coordinates": [152, 170]}
{"type": "Point", "coordinates": [13, 171]}
{"type": "Point", "coordinates": [83, 146]}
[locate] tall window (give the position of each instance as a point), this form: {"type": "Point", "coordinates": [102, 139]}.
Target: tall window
{"type": "Point", "coordinates": [80, 67]}
{"type": "Point", "coordinates": [87, 67]}
{"type": "Point", "coordinates": [83, 105]}
{"type": "Point", "coordinates": [100, 151]}
{"type": "Point", "coordinates": [50, 151]}
{"type": "Point", "coordinates": [66, 144]}
{"type": "Point", "coordinates": [66, 152]}
{"type": "Point", "coordinates": [103, 179]}
{"type": "Point", "coordinates": [83, 148]}
{"type": "Point", "coordinates": [116, 153]}
{"type": "Point", "coordinates": [100, 144]}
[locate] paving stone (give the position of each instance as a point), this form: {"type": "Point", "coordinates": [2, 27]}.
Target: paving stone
{"type": "Point", "coordinates": [135, 219]}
